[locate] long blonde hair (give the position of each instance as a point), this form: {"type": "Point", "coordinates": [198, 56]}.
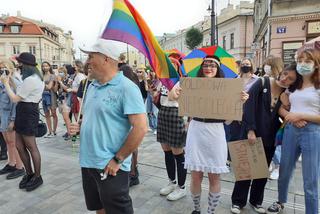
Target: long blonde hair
{"type": "Point", "coordinates": [10, 66]}
{"type": "Point", "coordinates": [276, 64]}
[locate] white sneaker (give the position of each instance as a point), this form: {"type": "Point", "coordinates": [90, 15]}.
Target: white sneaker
{"type": "Point", "coordinates": [258, 208]}
{"type": "Point", "coordinates": [270, 168]}
{"type": "Point", "coordinates": [168, 189]}
{"type": "Point", "coordinates": [235, 209]}
{"type": "Point", "coordinates": [274, 174]}
{"type": "Point", "coordinates": [177, 194]}
{"type": "Point", "coordinates": [155, 132]}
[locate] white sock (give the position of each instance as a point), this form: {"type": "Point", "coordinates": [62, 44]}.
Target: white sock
{"type": "Point", "coordinates": [196, 201]}
{"type": "Point", "coordinates": [213, 201]}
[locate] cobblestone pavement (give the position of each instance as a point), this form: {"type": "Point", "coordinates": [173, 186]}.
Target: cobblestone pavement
{"type": "Point", "coordinates": [62, 189]}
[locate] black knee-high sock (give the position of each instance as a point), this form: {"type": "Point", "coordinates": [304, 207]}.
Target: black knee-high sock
{"type": "Point", "coordinates": [182, 172]}
{"type": "Point", "coordinates": [170, 165]}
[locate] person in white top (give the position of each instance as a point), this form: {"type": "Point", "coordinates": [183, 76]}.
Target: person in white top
{"type": "Point", "coordinates": [206, 147]}
{"type": "Point", "coordinates": [28, 96]}
{"type": "Point", "coordinates": [302, 135]}
{"type": "Point", "coordinates": [171, 135]}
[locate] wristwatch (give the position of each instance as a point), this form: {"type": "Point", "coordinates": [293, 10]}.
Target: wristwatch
{"type": "Point", "coordinates": [117, 160]}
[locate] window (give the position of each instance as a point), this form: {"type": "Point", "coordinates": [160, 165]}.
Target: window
{"type": "Point", "coordinates": [32, 49]}
{"type": "Point", "coordinates": [15, 29]}
{"type": "Point", "coordinates": [1, 28]}
{"type": "Point", "coordinates": [16, 49]}
{"type": "Point", "coordinates": [231, 41]}
{"type": "Point", "coordinates": [224, 42]}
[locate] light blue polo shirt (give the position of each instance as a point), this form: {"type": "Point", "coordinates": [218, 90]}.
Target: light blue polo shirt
{"type": "Point", "coordinates": [105, 125]}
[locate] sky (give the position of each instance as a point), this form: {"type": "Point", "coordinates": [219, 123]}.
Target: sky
{"type": "Point", "coordinates": [87, 19]}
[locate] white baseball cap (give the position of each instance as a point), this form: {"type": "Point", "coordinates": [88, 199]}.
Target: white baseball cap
{"type": "Point", "coordinates": [108, 48]}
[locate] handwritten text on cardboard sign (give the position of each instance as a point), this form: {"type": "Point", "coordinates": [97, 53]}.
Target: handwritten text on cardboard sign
{"type": "Point", "coordinates": [215, 98]}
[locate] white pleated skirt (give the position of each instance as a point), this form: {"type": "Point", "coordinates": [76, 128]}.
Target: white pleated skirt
{"type": "Point", "coordinates": [206, 148]}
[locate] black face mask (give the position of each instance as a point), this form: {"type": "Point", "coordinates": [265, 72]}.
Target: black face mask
{"type": "Point", "coordinates": [245, 69]}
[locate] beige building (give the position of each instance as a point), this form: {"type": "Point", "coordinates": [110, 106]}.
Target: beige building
{"type": "Point", "coordinates": [234, 30]}
{"type": "Point", "coordinates": [47, 42]}
{"type": "Point", "coordinates": [281, 27]}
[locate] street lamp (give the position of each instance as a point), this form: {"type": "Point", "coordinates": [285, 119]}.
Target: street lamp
{"type": "Point", "coordinates": [213, 22]}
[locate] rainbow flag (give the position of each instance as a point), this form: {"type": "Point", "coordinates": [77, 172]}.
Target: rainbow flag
{"type": "Point", "coordinates": [126, 25]}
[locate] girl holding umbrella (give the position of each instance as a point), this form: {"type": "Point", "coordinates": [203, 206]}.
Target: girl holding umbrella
{"type": "Point", "coordinates": [206, 147]}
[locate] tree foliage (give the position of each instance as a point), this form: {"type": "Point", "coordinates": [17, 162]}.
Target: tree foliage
{"type": "Point", "coordinates": [193, 38]}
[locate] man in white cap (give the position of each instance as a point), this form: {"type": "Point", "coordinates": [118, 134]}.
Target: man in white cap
{"type": "Point", "coordinates": [113, 126]}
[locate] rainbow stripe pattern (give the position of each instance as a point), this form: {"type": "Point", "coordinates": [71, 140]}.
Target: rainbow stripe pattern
{"type": "Point", "coordinates": [126, 25]}
{"type": "Point", "coordinates": [192, 62]}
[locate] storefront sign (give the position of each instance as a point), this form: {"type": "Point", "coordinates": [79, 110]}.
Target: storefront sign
{"type": "Point", "coordinates": [289, 51]}
{"type": "Point", "coordinates": [313, 27]}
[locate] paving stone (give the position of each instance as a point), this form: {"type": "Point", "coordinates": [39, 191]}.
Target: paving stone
{"type": "Point", "coordinates": [62, 189]}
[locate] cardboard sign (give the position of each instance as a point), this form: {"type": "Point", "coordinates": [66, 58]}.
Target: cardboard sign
{"type": "Point", "coordinates": [214, 98]}
{"type": "Point", "coordinates": [248, 161]}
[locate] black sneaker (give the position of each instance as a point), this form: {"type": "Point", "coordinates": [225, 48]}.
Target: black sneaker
{"type": "Point", "coordinates": [3, 156]}
{"type": "Point", "coordinates": [195, 212]}
{"type": "Point", "coordinates": [65, 135]}
{"type": "Point", "coordinates": [24, 181]}
{"type": "Point", "coordinates": [15, 174]}
{"type": "Point", "coordinates": [134, 180]}
{"type": "Point", "coordinates": [276, 207]}
{"type": "Point", "coordinates": [7, 169]}
{"type": "Point", "coordinates": [34, 183]}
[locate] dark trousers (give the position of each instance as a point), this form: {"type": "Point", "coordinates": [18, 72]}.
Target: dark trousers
{"type": "Point", "coordinates": [3, 145]}
{"type": "Point", "coordinates": [241, 188]}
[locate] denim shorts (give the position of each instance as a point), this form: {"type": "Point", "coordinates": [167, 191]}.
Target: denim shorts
{"type": "Point", "coordinates": [46, 101]}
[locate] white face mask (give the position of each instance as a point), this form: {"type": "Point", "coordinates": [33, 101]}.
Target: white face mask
{"type": "Point", "coordinates": [305, 68]}
{"type": "Point", "coordinates": [267, 69]}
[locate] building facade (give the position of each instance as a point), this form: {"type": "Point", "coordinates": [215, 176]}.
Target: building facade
{"type": "Point", "coordinates": [234, 31]}
{"type": "Point", "coordinates": [281, 27]}
{"type": "Point", "coordinates": [47, 42]}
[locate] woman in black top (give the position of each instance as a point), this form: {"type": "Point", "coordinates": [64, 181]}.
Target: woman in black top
{"type": "Point", "coordinates": [142, 75]}
{"type": "Point", "coordinates": [261, 119]}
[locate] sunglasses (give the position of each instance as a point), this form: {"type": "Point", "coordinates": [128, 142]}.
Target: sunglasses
{"type": "Point", "coordinates": [4, 70]}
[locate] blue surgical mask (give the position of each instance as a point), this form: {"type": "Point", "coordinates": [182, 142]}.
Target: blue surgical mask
{"type": "Point", "coordinates": [305, 68]}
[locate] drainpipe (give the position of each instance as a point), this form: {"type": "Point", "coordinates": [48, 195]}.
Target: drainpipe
{"type": "Point", "coordinates": [245, 37]}
{"type": "Point", "coordinates": [40, 49]}
{"type": "Point", "coordinates": [269, 26]}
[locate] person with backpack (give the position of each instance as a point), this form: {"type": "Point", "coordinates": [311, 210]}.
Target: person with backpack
{"type": "Point", "coordinates": [261, 119]}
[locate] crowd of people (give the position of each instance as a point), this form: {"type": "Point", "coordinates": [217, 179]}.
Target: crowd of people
{"type": "Point", "coordinates": [112, 106]}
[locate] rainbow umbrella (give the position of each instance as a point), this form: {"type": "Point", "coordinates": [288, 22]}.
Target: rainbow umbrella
{"type": "Point", "coordinates": [192, 62]}
{"type": "Point", "coordinates": [175, 53]}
